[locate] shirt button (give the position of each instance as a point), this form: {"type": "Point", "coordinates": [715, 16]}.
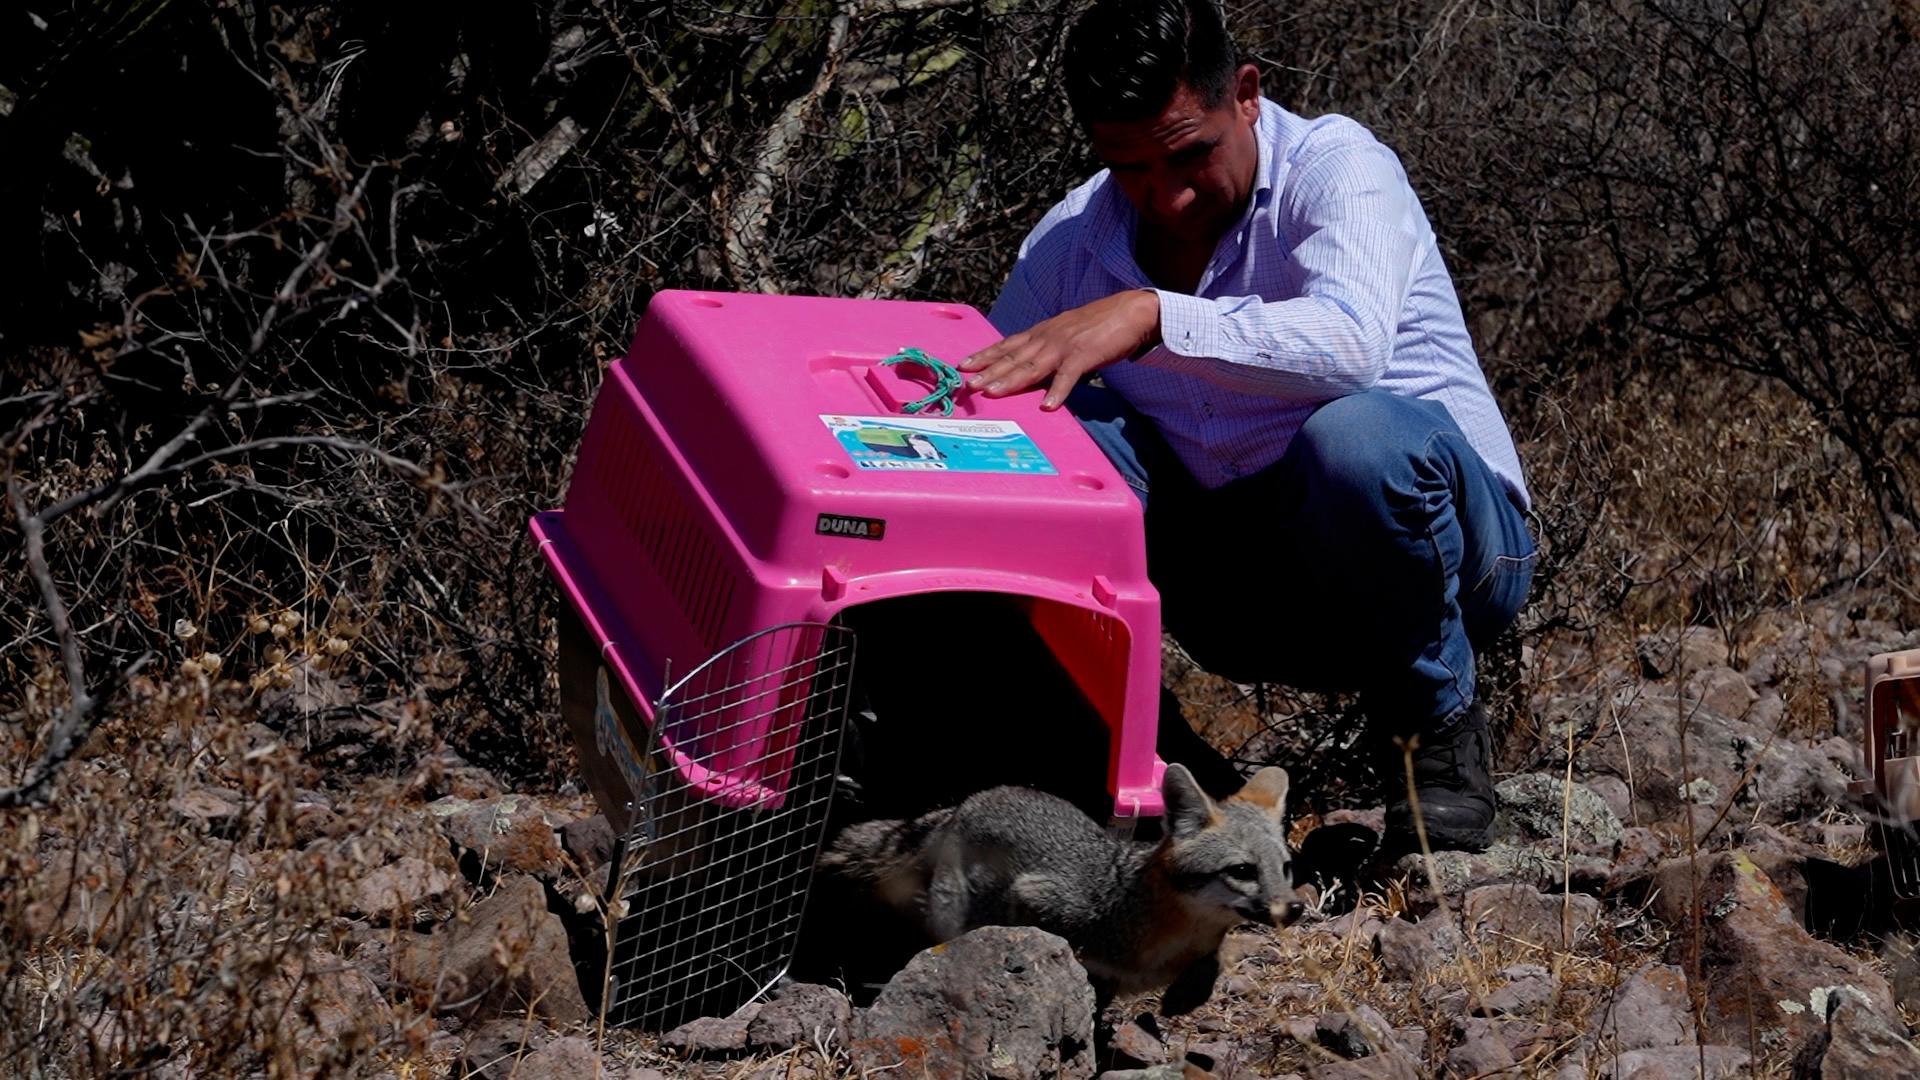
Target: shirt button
{"type": "Point", "coordinates": [1206, 407]}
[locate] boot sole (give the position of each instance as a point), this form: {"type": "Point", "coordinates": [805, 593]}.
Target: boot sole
{"type": "Point", "coordinates": [1403, 840]}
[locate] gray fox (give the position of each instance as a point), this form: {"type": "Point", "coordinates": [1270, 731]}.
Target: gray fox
{"type": "Point", "coordinates": [1140, 915]}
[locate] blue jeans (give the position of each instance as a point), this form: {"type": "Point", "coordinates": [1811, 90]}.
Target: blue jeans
{"type": "Point", "coordinates": [1378, 555]}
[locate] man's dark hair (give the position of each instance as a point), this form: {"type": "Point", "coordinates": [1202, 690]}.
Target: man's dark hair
{"type": "Point", "coordinates": [1126, 57]}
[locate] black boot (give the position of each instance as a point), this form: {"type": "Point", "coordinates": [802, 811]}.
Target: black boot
{"type": "Point", "coordinates": [1453, 781]}
{"type": "Point", "coordinates": [1178, 744]}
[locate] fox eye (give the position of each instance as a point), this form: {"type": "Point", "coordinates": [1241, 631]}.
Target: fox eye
{"type": "Point", "coordinates": [1243, 871]}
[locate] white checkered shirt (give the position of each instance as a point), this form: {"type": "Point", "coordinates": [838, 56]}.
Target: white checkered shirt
{"type": "Point", "coordinates": [1330, 283]}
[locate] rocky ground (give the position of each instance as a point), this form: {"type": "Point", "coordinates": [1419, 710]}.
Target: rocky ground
{"type": "Point", "coordinates": [1698, 906]}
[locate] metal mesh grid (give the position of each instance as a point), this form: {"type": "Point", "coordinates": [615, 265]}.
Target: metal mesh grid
{"type": "Point", "coordinates": [714, 895]}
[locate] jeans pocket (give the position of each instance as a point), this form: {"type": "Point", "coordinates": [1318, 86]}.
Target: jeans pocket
{"type": "Point", "coordinates": [1490, 606]}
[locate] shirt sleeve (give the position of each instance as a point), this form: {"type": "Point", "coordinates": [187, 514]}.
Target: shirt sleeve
{"type": "Point", "coordinates": [1357, 232]}
{"type": "Point", "coordinates": [1031, 293]}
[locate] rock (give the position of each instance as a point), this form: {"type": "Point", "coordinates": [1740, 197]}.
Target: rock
{"type": "Point", "coordinates": [1670, 1063]}
{"type": "Point", "coordinates": [215, 808]}
{"type": "Point", "coordinates": [1528, 987]}
{"type": "Point", "coordinates": [445, 773]}
{"type": "Point", "coordinates": [1357, 1034]}
{"type": "Point", "coordinates": [1636, 856]}
{"type": "Point", "coordinates": [708, 1036]}
{"type": "Point", "coordinates": [509, 833]}
{"type": "Point", "coordinates": [1222, 1059]}
{"type": "Point", "coordinates": [1410, 950]}
{"type": "Point", "coordinates": [1519, 912]}
{"type": "Point", "coordinates": [589, 840]}
{"type": "Point", "coordinates": [1690, 649]}
{"type": "Point", "coordinates": [1390, 1066]}
{"type": "Point", "coordinates": [314, 822]}
{"type": "Point", "coordinates": [638, 1073]}
{"type": "Point", "coordinates": [508, 955]}
{"type": "Point", "coordinates": [1787, 780]}
{"type": "Point", "coordinates": [1723, 690]}
{"type": "Point", "coordinates": [1136, 1046]}
{"type": "Point", "coordinates": [1482, 1056]}
{"type": "Point", "coordinates": [75, 892]}
{"type": "Point", "coordinates": [494, 1048]}
{"type": "Point", "coordinates": [1858, 1044]}
{"type": "Point", "coordinates": [1533, 805]}
{"type": "Point", "coordinates": [402, 886]}
{"type": "Point", "coordinates": [1010, 1003]}
{"type": "Point", "coordinates": [801, 1014]}
{"type": "Point", "coordinates": [336, 999]}
{"type": "Point", "coordinates": [1615, 792]}
{"type": "Point", "coordinates": [1374, 818]}
{"type": "Point", "coordinates": [1157, 1072]}
{"type": "Point", "coordinates": [1783, 859]}
{"type": "Point", "coordinates": [1649, 1010]}
{"type": "Point", "coordinates": [1455, 872]}
{"type": "Point", "coordinates": [569, 1058]}
{"type": "Point", "coordinates": [1360, 927]}
{"type": "Point", "coordinates": [1763, 971]}
{"type": "Point", "coordinates": [1841, 836]}
{"type": "Point", "coordinates": [1522, 1038]}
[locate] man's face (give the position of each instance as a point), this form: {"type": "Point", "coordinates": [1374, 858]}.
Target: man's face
{"type": "Point", "coordinates": [1189, 170]}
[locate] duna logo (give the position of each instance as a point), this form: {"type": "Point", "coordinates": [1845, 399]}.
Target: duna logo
{"type": "Point", "coordinates": [859, 527]}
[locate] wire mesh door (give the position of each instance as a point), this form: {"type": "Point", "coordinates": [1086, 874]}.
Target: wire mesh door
{"type": "Point", "coordinates": [733, 801]}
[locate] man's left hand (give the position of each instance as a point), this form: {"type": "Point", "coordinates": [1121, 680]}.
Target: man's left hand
{"type": "Point", "coordinates": [1067, 346]}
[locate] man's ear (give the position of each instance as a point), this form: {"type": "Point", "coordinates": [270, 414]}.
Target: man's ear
{"type": "Point", "coordinates": [1188, 808]}
{"type": "Point", "coordinates": [1246, 94]}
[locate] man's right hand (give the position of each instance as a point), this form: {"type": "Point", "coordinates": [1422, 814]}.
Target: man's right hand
{"type": "Point", "coordinates": [1067, 346]}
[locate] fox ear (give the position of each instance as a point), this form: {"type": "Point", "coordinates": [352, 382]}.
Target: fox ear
{"type": "Point", "coordinates": [1268, 791]}
{"type": "Point", "coordinates": [1188, 808]}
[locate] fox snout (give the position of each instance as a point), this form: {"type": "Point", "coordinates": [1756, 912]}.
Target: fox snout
{"type": "Point", "coordinates": [1278, 914]}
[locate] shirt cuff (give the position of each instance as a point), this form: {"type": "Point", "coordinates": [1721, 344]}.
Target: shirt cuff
{"type": "Point", "coordinates": [1189, 325]}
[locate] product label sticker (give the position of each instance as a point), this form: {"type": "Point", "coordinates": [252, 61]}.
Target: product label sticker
{"type": "Point", "coordinates": [938, 444]}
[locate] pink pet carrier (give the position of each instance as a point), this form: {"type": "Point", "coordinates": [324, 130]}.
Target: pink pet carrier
{"type": "Point", "coordinates": [753, 475]}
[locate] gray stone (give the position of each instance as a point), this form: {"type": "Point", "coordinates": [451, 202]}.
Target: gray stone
{"type": "Point", "coordinates": [1528, 987]}
{"type": "Point", "coordinates": [1521, 913]}
{"type": "Point", "coordinates": [494, 1047]}
{"type": "Point", "coordinates": [1615, 792]}
{"type": "Point", "coordinates": [1482, 1056]}
{"type": "Point", "coordinates": [1455, 872]}
{"type": "Point", "coordinates": [510, 833]}
{"type": "Point", "coordinates": [1723, 690]}
{"type": "Point", "coordinates": [569, 1058]}
{"type": "Point", "coordinates": [1363, 1032]}
{"type": "Point", "coordinates": [401, 886]}
{"type": "Point", "coordinates": [1135, 1045]}
{"type": "Point", "coordinates": [1390, 1066]}
{"type": "Point", "coordinates": [1152, 1072]}
{"type": "Point", "coordinates": [1010, 1003]}
{"type": "Point", "coordinates": [1689, 649]}
{"type": "Point", "coordinates": [509, 955]}
{"type": "Point", "coordinates": [1536, 806]}
{"type": "Point", "coordinates": [1409, 950]}
{"type": "Point", "coordinates": [589, 840]}
{"type": "Point", "coordinates": [708, 1036]}
{"type": "Point", "coordinates": [800, 1015]}
{"type": "Point", "coordinates": [1763, 972]}
{"type": "Point", "coordinates": [1858, 1044]}
{"type": "Point", "coordinates": [1677, 1063]}
{"type": "Point", "coordinates": [1649, 1010]}
{"type": "Point", "coordinates": [1638, 736]}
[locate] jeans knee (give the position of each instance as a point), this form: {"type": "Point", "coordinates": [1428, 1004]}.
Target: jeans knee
{"type": "Point", "coordinates": [1362, 441]}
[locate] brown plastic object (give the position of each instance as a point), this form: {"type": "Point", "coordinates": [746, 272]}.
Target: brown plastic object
{"type": "Point", "coordinates": [1893, 757]}
{"type": "Point", "coordinates": [1893, 731]}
